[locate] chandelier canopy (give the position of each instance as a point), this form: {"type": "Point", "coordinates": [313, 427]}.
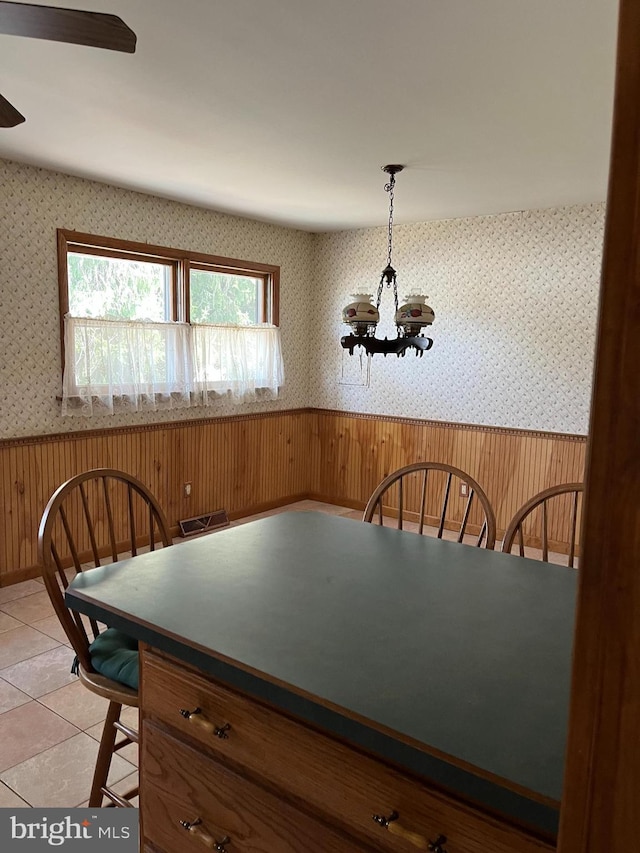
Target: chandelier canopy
{"type": "Point", "coordinates": [362, 316]}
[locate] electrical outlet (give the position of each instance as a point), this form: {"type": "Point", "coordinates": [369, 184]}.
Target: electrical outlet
{"type": "Point", "coordinates": [464, 490]}
{"type": "Point", "coordinates": [187, 490]}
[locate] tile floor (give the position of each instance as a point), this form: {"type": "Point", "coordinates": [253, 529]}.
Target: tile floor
{"type": "Point", "coordinates": [50, 724]}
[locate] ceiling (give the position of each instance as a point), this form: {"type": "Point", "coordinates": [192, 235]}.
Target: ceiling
{"type": "Point", "coordinates": [285, 110]}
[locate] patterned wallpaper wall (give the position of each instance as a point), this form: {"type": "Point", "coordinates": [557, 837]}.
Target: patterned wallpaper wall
{"type": "Point", "coordinates": [515, 298]}
{"type": "Point", "coordinates": [34, 203]}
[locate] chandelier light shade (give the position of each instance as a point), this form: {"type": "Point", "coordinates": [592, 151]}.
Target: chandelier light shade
{"type": "Point", "coordinates": [363, 316]}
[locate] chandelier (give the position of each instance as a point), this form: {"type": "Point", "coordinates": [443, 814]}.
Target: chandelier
{"type": "Point", "coordinates": [362, 316]}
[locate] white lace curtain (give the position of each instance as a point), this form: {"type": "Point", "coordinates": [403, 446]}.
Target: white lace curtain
{"type": "Point", "coordinates": [241, 360]}
{"type": "Point", "coordinates": [166, 365]}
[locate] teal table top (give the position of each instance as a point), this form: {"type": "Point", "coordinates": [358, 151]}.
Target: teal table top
{"type": "Point", "coordinates": [450, 660]}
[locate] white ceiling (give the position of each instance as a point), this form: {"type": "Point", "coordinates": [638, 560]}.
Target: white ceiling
{"type": "Point", "coordinates": [285, 110]}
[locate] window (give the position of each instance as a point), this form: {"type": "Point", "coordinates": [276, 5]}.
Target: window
{"type": "Point", "coordinates": [119, 288]}
{"type": "Point", "coordinates": [152, 326]}
{"type": "Point", "coordinates": [217, 296]}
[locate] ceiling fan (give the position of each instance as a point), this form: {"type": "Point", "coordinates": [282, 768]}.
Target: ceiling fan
{"type": "Point", "coordinates": [94, 29]}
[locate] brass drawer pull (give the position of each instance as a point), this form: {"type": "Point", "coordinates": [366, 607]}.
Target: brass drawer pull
{"type": "Point", "coordinates": [390, 823]}
{"type": "Point", "coordinates": [196, 717]}
{"type": "Point", "coordinates": [209, 841]}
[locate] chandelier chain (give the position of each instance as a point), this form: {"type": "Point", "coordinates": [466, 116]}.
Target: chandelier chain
{"type": "Point", "coordinates": [389, 188]}
{"type": "Point", "coordinates": [390, 277]}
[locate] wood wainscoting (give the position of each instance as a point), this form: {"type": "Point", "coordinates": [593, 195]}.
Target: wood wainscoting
{"type": "Point", "coordinates": [351, 453]}
{"type": "Point", "coordinates": [244, 464]}
{"type": "Point", "coordinates": [250, 463]}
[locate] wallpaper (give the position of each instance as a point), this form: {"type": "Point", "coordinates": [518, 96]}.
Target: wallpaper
{"type": "Point", "coordinates": [515, 298]}
{"type": "Point", "coordinates": [34, 203]}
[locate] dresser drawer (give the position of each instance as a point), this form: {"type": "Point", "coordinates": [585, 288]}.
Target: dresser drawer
{"type": "Point", "coordinates": [180, 784]}
{"type": "Point", "coordinates": [336, 781]}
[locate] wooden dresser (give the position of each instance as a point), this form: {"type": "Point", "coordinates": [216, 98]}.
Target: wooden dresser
{"type": "Point", "coordinates": [387, 692]}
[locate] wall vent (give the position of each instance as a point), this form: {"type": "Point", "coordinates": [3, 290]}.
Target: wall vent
{"type": "Point", "coordinates": [201, 523]}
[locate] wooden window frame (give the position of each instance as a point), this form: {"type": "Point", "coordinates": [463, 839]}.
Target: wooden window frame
{"type": "Point", "coordinates": [181, 261]}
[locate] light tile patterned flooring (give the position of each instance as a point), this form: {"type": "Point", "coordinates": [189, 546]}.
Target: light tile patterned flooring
{"type": "Point", "coordinates": [50, 725]}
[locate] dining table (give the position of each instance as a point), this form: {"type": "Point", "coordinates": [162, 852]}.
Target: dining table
{"type": "Point", "coordinates": [440, 664]}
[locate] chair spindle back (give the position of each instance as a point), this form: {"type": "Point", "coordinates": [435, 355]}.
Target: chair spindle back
{"type": "Point", "coordinates": [516, 527]}
{"type": "Point", "coordinates": [416, 495]}
{"type": "Point", "coordinates": [94, 518]}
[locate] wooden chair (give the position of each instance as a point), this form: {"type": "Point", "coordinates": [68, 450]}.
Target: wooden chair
{"type": "Point", "coordinates": [417, 492]}
{"type": "Point", "coordinates": [97, 517]}
{"type": "Point", "coordinates": [542, 500]}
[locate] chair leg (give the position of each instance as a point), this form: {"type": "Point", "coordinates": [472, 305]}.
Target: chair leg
{"type": "Point", "coordinates": [105, 752]}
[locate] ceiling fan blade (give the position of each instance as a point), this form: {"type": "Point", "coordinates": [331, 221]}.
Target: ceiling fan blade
{"type": "Point", "coordinates": [94, 29]}
{"type": "Point", "coordinates": [9, 115]}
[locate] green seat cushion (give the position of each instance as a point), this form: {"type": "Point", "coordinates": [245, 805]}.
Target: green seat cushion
{"type": "Point", "coordinates": [115, 655]}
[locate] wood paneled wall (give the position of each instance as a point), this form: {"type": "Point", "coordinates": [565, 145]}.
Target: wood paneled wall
{"type": "Point", "coordinates": [246, 464]}
{"type": "Point", "coordinates": [350, 454]}
{"type": "Point", "coordinates": [242, 464]}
